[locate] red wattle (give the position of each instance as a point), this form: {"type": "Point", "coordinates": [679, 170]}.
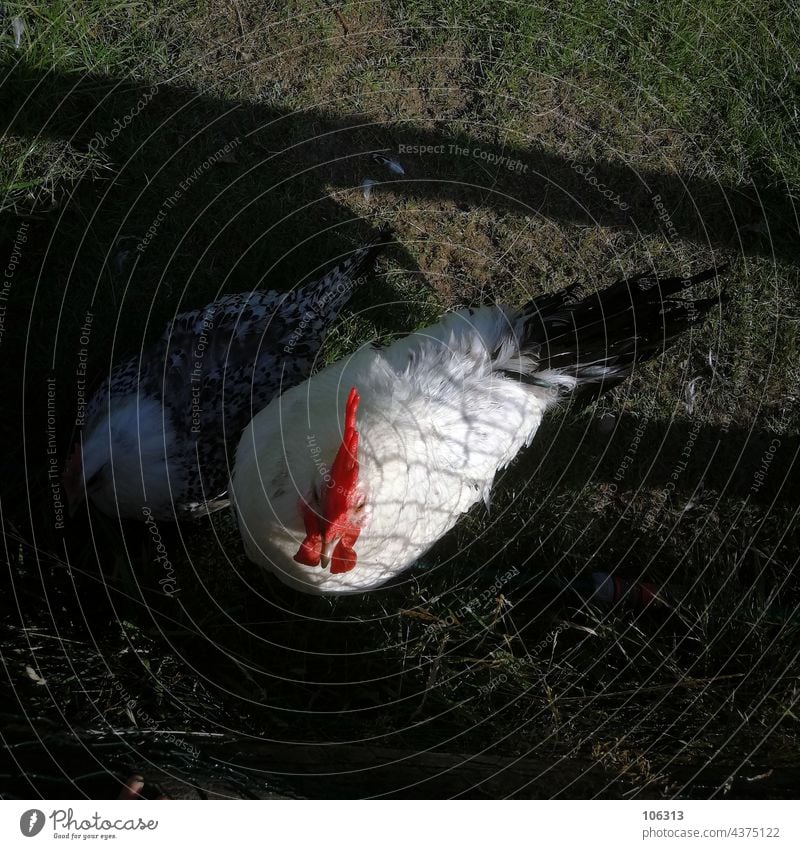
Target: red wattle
{"type": "Point", "coordinates": [310, 551]}
{"type": "Point", "coordinates": [344, 558]}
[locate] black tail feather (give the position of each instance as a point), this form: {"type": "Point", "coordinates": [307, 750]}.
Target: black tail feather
{"type": "Point", "coordinates": [330, 293]}
{"type": "Point", "coordinates": [599, 339]}
{"type": "Point", "coordinates": [361, 262]}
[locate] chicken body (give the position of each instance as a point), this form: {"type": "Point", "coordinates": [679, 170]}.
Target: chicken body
{"type": "Point", "coordinates": [440, 412]}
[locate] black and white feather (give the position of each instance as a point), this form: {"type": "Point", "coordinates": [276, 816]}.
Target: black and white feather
{"type": "Point", "coordinates": [159, 429]}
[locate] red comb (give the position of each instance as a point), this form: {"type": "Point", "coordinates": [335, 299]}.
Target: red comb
{"type": "Point", "coordinates": [351, 409]}
{"type": "Point", "coordinates": [344, 473]}
{"type": "Point", "coordinates": [335, 502]}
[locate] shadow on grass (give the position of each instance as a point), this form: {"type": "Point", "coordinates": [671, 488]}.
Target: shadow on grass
{"type": "Point", "coordinates": [314, 152]}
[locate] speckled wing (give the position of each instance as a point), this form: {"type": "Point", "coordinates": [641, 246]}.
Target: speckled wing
{"type": "Point", "coordinates": [222, 364]}
{"type": "Point", "coordinates": [211, 368]}
{"type": "Point", "coordinates": [214, 368]}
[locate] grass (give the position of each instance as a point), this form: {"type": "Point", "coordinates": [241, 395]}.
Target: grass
{"type": "Point", "coordinates": [698, 104]}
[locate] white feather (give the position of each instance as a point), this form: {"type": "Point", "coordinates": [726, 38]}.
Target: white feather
{"type": "Point", "coordinates": [436, 421]}
{"type": "Point", "coordinates": [135, 473]}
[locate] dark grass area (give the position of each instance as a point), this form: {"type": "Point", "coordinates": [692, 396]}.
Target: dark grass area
{"type": "Point", "coordinates": [488, 670]}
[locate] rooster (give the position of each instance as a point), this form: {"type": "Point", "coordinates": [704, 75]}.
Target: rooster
{"type": "Point", "coordinates": [343, 482]}
{"type": "Point", "coordinates": [156, 432]}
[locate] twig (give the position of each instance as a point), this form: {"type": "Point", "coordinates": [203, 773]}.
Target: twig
{"type": "Point", "coordinates": [345, 29]}
{"type": "Point", "coordinates": [239, 18]}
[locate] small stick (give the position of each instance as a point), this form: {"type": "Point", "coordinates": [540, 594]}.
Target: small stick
{"type": "Point", "coordinates": [345, 29]}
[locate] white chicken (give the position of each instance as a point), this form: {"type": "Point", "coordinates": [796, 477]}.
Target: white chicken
{"type": "Point", "coordinates": [344, 481]}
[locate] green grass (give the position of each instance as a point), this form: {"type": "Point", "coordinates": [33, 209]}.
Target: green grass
{"type": "Point", "coordinates": [693, 102]}
{"type": "Point", "coordinates": [702, 66]}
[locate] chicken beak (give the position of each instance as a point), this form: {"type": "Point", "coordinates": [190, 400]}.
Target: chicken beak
{"type": "Point", "coordinates": [327, 552]}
